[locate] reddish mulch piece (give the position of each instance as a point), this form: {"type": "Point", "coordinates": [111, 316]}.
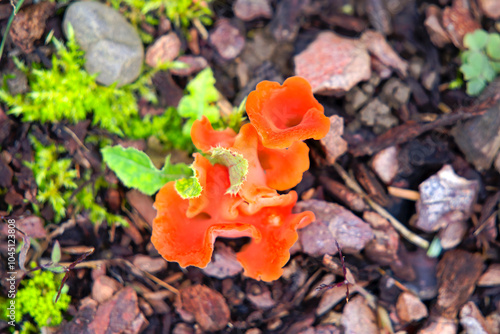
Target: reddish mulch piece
{"type": "Point", "coordinates": [29, 24]}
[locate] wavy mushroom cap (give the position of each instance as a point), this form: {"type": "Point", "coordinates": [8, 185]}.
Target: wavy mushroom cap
{"type": "Point", "coordinates": [284, 114]}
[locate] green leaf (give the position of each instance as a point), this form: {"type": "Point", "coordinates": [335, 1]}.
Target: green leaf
{"type": "Point", "coordinates": [57, 269]}
{"type": "Point", "coordinates": [56, 252]}
{"type": "Point", "coordinates": [476, 40]}
{"type": "Point", "coordinates": [493, 46]}
{"type": "Point", "coordinates": [136, 170]}
{"type": "Point", "coordinates": [489, 72]}
{"type": "Point", "coordinates": [496, 66]}
{"type": "Point", "coordinates": [235, 162]}
{"type": "Point", "coordinates": [475, 86]}
{"type": "Point", "coordinates": [469, 71]}
{"type": "Point", "coordinates": [201, 98]}
{"type": "Point", "coordinates": [478, 61]}
{"type": "Point", "coordinates": [188, 187]}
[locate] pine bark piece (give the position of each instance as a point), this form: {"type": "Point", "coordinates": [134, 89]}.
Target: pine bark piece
{"type": "Point", "coordinates": [351, 232]}
{"type": "Point", "coordinates": [491, 276]}
{"type": "Point", "coordinates": [457, 274]}
{"type": "Point", "coordinates": [207, 306]}
{"type": "Point", "coordinates": [333, 64]}
{"type": "Point", "coordinates": [358, 317]}
{"type": "Point", "coordinates": [333, 143]}
{"type": "Point", "coordinates": [28, 25]}
{"type": "Point", "coordinates": [410, 308]}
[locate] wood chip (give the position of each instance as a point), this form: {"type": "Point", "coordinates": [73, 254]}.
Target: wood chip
{"type": "Point", "coordinates": [491, 277]}
{"type": "Point", "coordinates": [206, 305]}
{"type": "Point", "coordinates": [224, 263]}
{"type": "Point", "coordinates": [457, 274]}
{"type": "Point", "coordinates": [351, 232]}
{"type": "Point", "coordinates": [333, 64]}
{"type": "Point", "coordinates": [333, 144]}
{"type": "Point", "coordinates": [104, 288]}
{"type": "Point", "coordinates": [165, 49]}
{"type": "Point", "coordinates": [410, 308]}
{"type": "Point", "coordinates": [358, 317]}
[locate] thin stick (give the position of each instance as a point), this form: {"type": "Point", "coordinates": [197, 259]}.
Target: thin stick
{"type": "Point", "coordinates": [406, 233]}
{"type": "Point", "coordinates": [411, 195]}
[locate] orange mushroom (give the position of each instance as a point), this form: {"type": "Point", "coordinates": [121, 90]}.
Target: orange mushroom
{"type": "Point", "coordinates": [285, 114]}
{"type": "Point", "coordinates": [189, 240]}
{"type": "Point", "coordinates": [279, 169]}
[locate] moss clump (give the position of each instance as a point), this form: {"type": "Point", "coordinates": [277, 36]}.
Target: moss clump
{"type": "Point", "coordinates": [36, 298]}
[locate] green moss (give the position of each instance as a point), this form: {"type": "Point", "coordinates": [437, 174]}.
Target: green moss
{"type": "Point", "coordinates": [57, 179]}
{"type": "Point", "coordinates": [35, 298]}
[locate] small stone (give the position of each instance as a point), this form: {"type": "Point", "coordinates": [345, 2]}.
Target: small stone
{"type": "Point", "coordinates": [112, 46]}
{"type": "Point", "coordinates": [396, 93]}
{"type": "Point", "coordinates": [410, 308]}
{"type": "Point", "coordinates": [149, 264]}
{"type": "Point", "coordinates": [165, 49]}
{"type": "Point", "coordinates": [491, 8]}
{"type": "Point", "coordinates": [104, 288]}
{"type": "Point", "coordinates": [385, 164]}
{"type": "Point", "coordinates": [333, 64]}
{"type": "Point", "coordinates": [227, 39]}
{"type": "Point", "coordinates": [445, 197]}
{"type": "Point", "coordinates": [194, 63]}
{"type": "Point", "coordinates": [378, 115]}
{"type": "Point", "coordinates": [248, 10]}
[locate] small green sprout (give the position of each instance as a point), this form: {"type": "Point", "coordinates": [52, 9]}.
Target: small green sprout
{"type": "Point", "coordinates": [481, 60]}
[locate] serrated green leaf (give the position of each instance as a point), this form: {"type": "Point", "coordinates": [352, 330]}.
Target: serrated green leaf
{"type": "Point", "coordinates": [56, 252]}
{"type": "Point", "coordinates": [188, 187]}
{"type": "Point", "coordinates": [235, 162]}
{"type": "Point", "coordinates": [136, 170]}
{"type": "Point", "coordinates": [493, 46]}
{"type": "Point", "coordinates": [475, 86]}
{"type": "Point", "coordinates": [476, 40]}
